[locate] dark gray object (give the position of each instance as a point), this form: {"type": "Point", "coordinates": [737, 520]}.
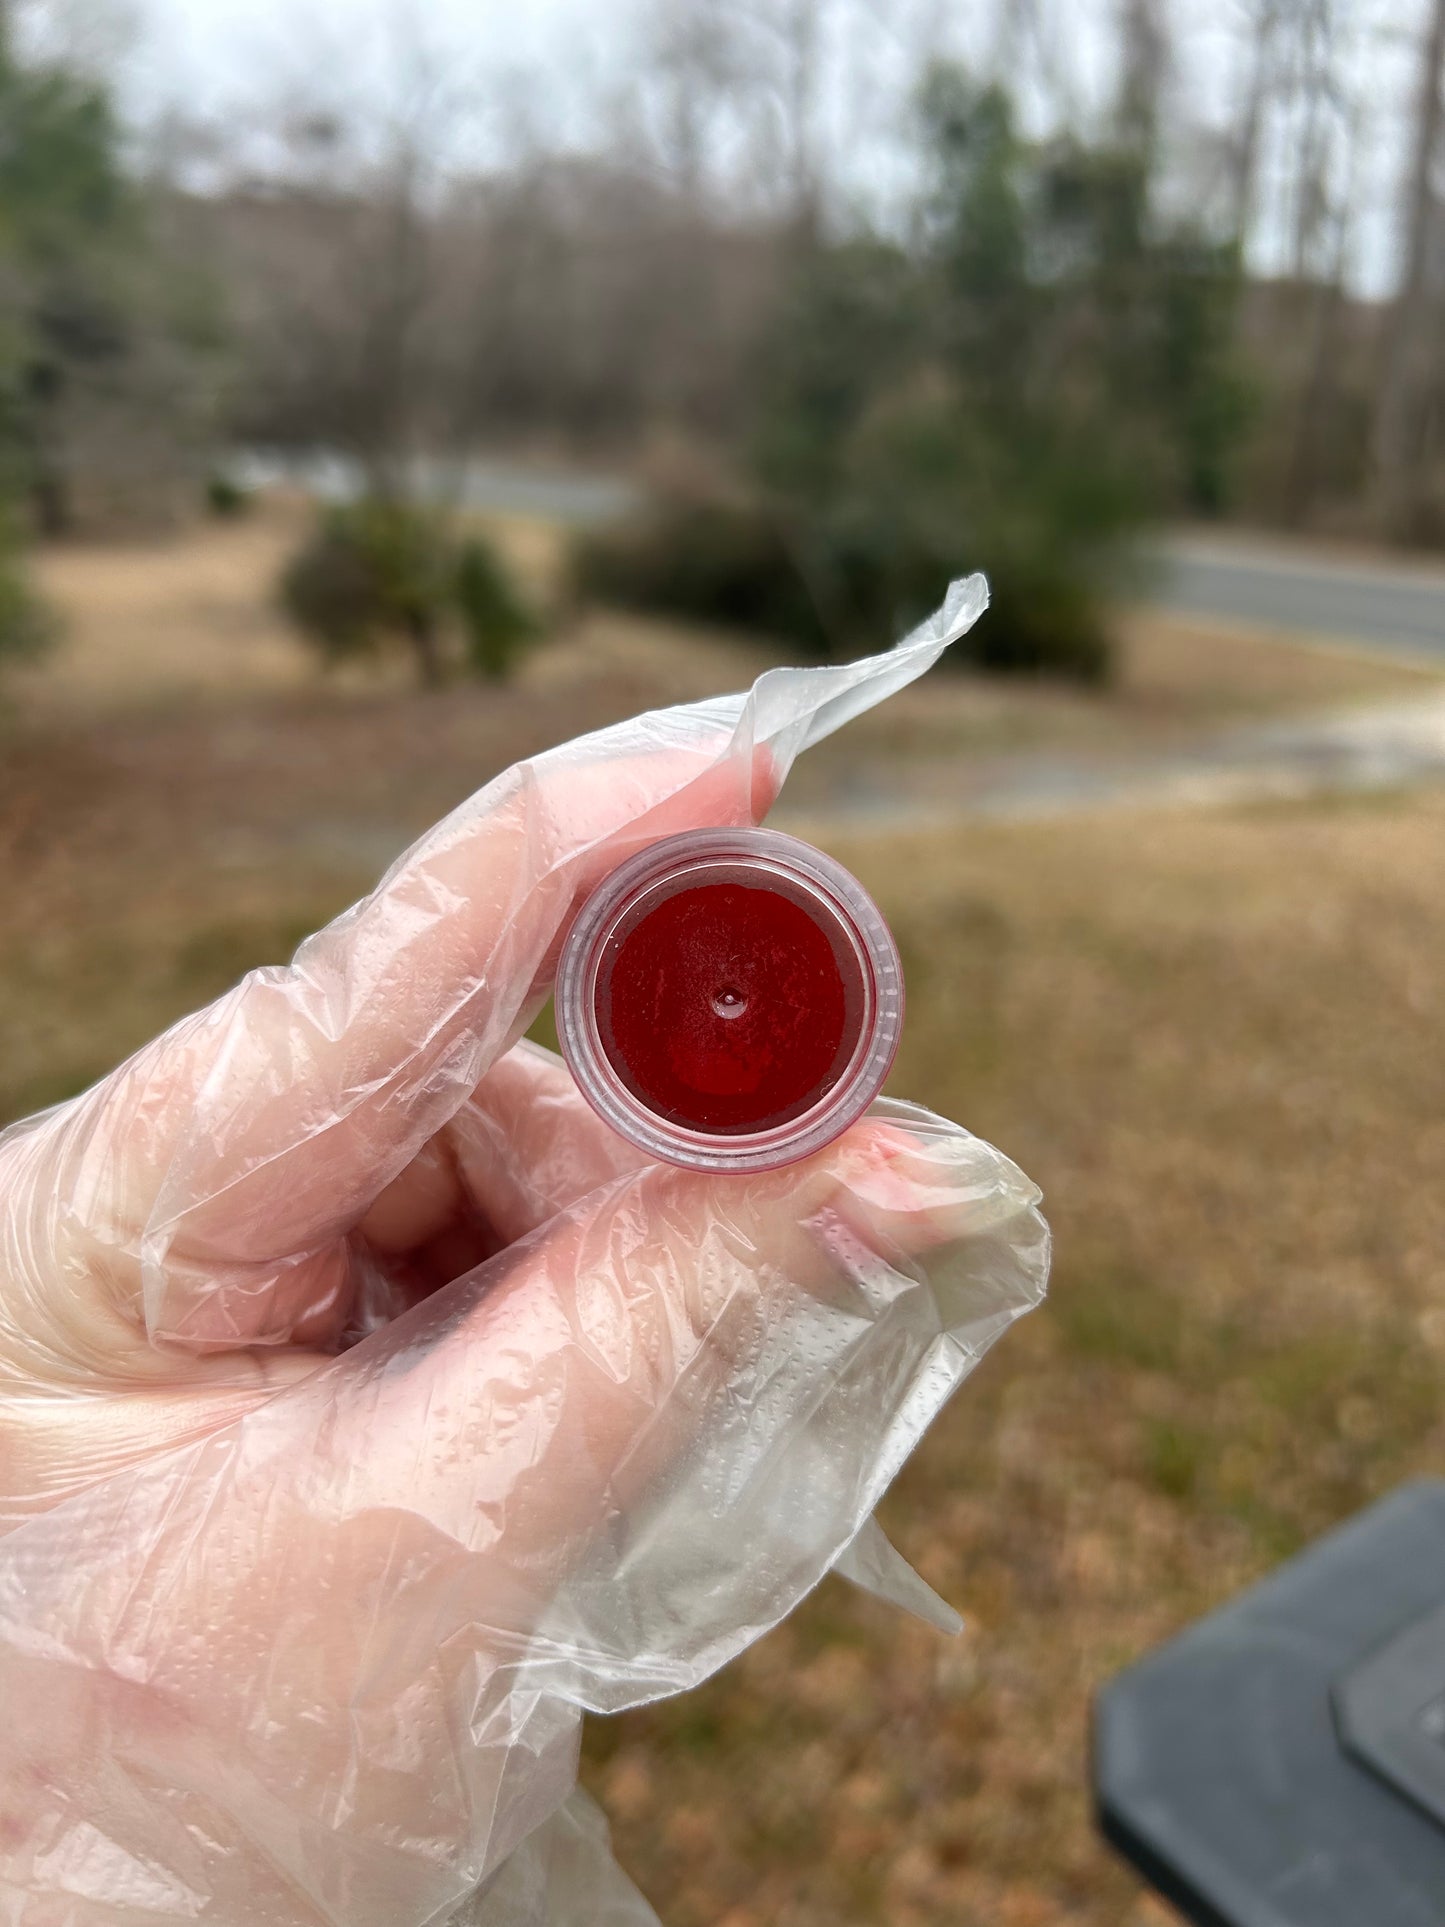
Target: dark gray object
{"type": "Point", "coordinates": [1220, 1770]}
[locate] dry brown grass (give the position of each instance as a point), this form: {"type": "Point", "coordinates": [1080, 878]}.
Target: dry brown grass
{"type": "Point", "coordinates": [167, 620]}
{"type": "Point", "coordinates": [1198, 668]}
{"type": "Point", "coordinates": [194, 619]}
{"type": "Point", "coordinates": [1210, 1037]}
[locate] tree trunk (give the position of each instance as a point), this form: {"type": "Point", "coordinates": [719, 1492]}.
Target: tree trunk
{"type": "Point", "coordinates": [1316, 407]}
{"type": "Point", "coordinates": [422, 634]}
{"type": "Point", "coordinates": [1405, 371]}
{"type": "Point", "coordinates": [1317, 412]}
{"type": "Point", "coordinates": [1245, 159]}
{"type": "Point", "coordinates": [803, 36]}
{"type": "Point", "coordinates": [1312, 190]}
{"type": "Point", "coordinates": [1145, 53]}
{"type": "Point", "coordinates": [49, 484]}
{"type": "Point", "coordinates": [50, 500]}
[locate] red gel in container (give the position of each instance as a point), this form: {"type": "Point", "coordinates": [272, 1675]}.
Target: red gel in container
{"type": "Point", "coordinates": [730, 1000]}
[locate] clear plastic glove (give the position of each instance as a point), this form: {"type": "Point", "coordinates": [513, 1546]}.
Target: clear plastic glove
{"type": "Point", "coordinates": [367, 1411]}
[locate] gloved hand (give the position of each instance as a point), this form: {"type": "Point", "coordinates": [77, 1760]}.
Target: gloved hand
{"type": "Point", "coordinates": [367, 1410]}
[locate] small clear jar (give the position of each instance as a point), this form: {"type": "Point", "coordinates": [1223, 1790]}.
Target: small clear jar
{"type": "Point", "coordinates": [730, 1000]}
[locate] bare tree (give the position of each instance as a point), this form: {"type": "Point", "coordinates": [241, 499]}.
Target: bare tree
{"type": "Point", "coordinates": [1030, 51]}
{"type": "Point", "coordinates": [1314, 33]}
{"type": "Point", "coordinates": [1144, 68]}
{"type": "Point", "coordinates": [330, 245]}
{"type": "Point", "coordinates": [697, 77]}
{"type": "Point", "coordinates": [1408, 369]}
{"type": "Point", "coordinates": [796, 32]}
{"type": "Point", "coordinates": [1319, 391]}
{"type": "Point", "coordinates": [1260, 82]}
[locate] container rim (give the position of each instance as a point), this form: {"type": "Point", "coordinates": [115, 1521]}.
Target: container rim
{"type": "Point", "coordinates": [834, 894]}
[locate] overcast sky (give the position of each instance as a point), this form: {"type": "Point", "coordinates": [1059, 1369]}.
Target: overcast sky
{"type": "Point", "coordinates": [558, 58]}
{"type": "Point", "coordinates": [212, 44]}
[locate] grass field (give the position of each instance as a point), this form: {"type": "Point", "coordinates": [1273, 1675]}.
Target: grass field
{"type": "Point", "coordinates": [1210, 1037]}
{"type": "Point", "coordinates": [194, 620]}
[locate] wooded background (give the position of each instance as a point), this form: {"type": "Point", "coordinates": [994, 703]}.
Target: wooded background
{"type": "Point", "coordinates": [862, 294]}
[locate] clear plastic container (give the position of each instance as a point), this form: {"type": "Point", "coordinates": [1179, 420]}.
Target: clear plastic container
{"type": "Point", "coordinates": [730, 1000]}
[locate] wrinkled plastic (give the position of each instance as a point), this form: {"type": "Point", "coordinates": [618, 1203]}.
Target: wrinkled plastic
{"type": "Point", "coordinates": [310, 1568]}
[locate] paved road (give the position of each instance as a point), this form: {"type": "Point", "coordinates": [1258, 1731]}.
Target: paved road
{"type": "Point", "coordinates": [1382, 605]}
{"type": "Point", "coordinates": [1387, 605]}
{"type": "Point", "coordinates": [572, 498]}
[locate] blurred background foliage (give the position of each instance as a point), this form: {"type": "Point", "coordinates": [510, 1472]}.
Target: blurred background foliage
{"type": "Point", "coordinates": [1045, 370]}
{"type": "Point", "coordinates": [108, 338]}
{"type": "Point", "coordinates": [1044, 337]}
{"type": "Point", "coordinates": [382, 572]}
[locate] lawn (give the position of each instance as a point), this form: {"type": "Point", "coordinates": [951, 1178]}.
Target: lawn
{"type": "Point", "coordinates": [1210, 1037]}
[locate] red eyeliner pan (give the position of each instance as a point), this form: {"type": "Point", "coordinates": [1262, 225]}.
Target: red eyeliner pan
{"type": "Point", "coordinates": [730, 1000]}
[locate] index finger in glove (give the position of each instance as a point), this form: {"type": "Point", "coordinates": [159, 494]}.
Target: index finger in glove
{"type": "Point", "coordinates": [226, 1162]}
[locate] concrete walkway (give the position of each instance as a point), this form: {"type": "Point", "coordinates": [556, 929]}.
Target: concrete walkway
{"type": "Point", "coordinates": [1377, 749]}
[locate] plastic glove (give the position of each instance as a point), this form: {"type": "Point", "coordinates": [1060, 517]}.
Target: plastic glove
{"type": "Point", "coordinates": [367, 1411]}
